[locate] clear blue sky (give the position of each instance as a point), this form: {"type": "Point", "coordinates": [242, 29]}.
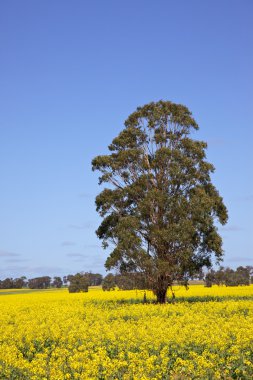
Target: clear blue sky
{"type": "Point", "coordinates": [70, 74]}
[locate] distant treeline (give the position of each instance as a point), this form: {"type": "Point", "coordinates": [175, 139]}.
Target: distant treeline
{"type": "Point", "coordinates": [223, 276]}
{"type": "Point", "coordinates": [46, 282]}
{"type": "Point", "coordinates": [229, 277]}
{"type": "Point", "coordinates": [80, 282]}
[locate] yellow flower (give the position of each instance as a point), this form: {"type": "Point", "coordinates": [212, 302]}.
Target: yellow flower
{"type": "Point", "coordinates": [56, 335]}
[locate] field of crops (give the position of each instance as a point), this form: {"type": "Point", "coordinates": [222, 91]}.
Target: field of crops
{"type": "Point", "coordinates": [206, 334]}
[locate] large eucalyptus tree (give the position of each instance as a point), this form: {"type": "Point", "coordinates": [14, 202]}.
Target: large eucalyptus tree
{"type": "Point", "coordinates": [160, 207]}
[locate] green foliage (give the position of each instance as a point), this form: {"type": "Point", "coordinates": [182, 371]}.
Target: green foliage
{"type": "Point", "coordinates": [78, 283]}
{"type": "Point", "coordinates": [160, 208]}
{"type": "Point", "coordinates": [39, 282]}
{"type": "Point", "coordinates": [57, 282]}
{"type": "Point", "coordinates": [16, 283]}
{"type": "Point", "coordinates": [94, 279]}
{"type": "Point", "coordinates": [130, 281]}
{"type": "Point", "coordinates": [229, 277]}
{"type": "Point", "coordinates": [109, 282]}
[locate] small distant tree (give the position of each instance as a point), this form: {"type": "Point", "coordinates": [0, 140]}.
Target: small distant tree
{"type": "Point", "coordinates": [7, 283]}
{"type": "Point", "coordinates": [19, 283]}
{"type": "Point", "coordinates": [243, 275]}
{"type": "Point", "coordinates": [210, 278]}
{"type": "Point", "coordinates": [78, 283]}
{"type": "Point", "coordinates": [94, 279]}
{"type": "Point", "coordinates": [129, 281]}
{"type": "Point", "coordinates": [109, 282]}
{"type": "Point", "coordinates": [220, 277]}
{"type": "Point", "coordinates": [228, 276]}
{"type": "Point", "coordinates": [39, 282]}
{"type": "Point", "coordinates": [10, 283]}
{"type": "Point", "coordinates": [57, 282]}
{"type": "Point", "coordinates": [250, 270]}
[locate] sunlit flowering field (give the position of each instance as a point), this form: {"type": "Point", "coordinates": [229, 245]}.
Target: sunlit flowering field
{"type": "Point", "coordinates": [206, 334]}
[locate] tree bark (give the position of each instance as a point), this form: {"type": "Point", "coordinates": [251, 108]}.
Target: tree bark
{"type": "Point", "coordinates": [160, 289]}
{"type": "Point", "coordinates": [161, 295]}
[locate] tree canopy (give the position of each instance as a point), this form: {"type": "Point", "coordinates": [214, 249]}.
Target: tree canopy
{"type": "Point", "coordinates": [160, 207]}
{"type": "Point", "coordinates": [78, 283]}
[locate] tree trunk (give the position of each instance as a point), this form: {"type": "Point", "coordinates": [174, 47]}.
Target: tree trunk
{"type": "Point", "coordinates": [161, 295]}
{"type": "Point", "coordinates": [160, 287]}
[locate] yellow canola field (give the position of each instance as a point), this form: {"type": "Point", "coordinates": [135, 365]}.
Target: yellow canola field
{"type": "Point", "coordinates": [206, 334]}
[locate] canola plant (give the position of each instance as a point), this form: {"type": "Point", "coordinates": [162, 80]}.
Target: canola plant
{"type": "Point", "coordinates": [207, 333]}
